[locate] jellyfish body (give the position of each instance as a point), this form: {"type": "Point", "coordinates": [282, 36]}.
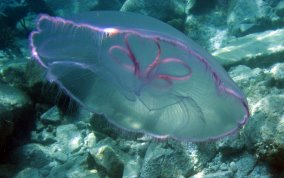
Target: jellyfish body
{"type": "Point", "coordinates": [140, 73]}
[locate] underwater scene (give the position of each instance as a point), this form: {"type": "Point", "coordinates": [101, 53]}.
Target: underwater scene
{"type": "Point", "coordinates": [141, 88]}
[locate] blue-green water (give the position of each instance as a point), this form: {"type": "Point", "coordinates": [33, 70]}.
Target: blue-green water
{"type": "Point", "coordinates": [45, 131]}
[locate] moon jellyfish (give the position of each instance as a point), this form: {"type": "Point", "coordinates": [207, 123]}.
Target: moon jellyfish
{"type": "Point", "coordinates": [140, 73]}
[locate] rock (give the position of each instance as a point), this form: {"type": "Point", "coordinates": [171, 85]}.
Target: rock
{"type": "Point", "coordinates": [233, 167]}
{"type": "Point", "coordinates": [69, 138]}
{"type": "Point", "coordinates": [209, 29]}
{"type": "Point", "coordinates": [34, 81]}
{"type": "Point", "coordinates": [231, 145]}
{"type": "Point", "coordinates": [262, 171]}
{"type": "Point", "coordinates": [44, 137]}
{"type": "Point", "coordinates": [6, 125]}
{"type": "Point", "coordinates": [76, 166]}
{"type": "Point", "coordinates": [206, 152]}
{"type": "Point", "coordinates": [29, 172]}
{"type": "Point", "coordinates": [103, 127]}
{"type": "Point", "coordinates": [61, 8]}
{"type": "Point", "coordinates": [132, 167]}
{"type": "Point", "coordinates": [14, 73]}
{"type": "Point", "coordinates": [164, 10]}
{"type": "Point", "coordinates": [277, 72]}
{"type": "Point", "coordinates": [217, 25]}
{"type": "Point", "coordinates": [256, 83]}
{"type": "Point", "coordinates": [223, 167]}
{"type": "Point", "coordinates": [52, 116]}
{"type": "Point", "coordinates": [14, 104]}
{"type": "Point", "coordinates": [167, 161]}
{"type": "Point", "coordinates": [202, 7]}
{"type": "Point", "coordinates": [108, 5]}
{"type": "Point", "coordinates": [12, 12]}
{"type": "Point", "coordinates": [73, 7]}
{"type": "Point", "coordinates": [39, 6]}
{"type": "Point", "coordinates": [244, 165]}
{"type": "Point", "coordinates": [265, 130]}
{"type": "Point", "coordinates": [106, 157]}
{"type": "Point", "coordinates": [131, 152]}
{"type": "Point", "coordinates": [237, 165]}
{"type": "Point", "coordinates": [84, 174]}
{"type": "Point", "coordinates": [279, 9]}
{"type": "Point", "coordinates": [133, 147]}
{"type": "Point", "coordinates": [31, 155]}
{"type": "Point", "coordinates": [90, 140]}
{"type": "Point", "coordinates": [13, 99]}
{"type": "Point", "coordinates": [254, 50]}
{"type": "Point", "coordinates": [7, 170]}
{"type": "Point", "coordinates": [252, 16]}
{"type": "Point", "coordinates": [221, 174]}
{"type": "Point", "coordinates": [60, 156]}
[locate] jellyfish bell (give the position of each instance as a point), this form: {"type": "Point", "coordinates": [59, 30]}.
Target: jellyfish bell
{"type": "Point", "coordinates": [141, 74]}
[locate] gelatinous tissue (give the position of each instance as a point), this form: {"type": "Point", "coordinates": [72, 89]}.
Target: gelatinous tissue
{"type": "Point", "coordinates": [140, 73]}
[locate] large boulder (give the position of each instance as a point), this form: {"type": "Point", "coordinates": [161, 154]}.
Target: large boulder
{"type": "Point", "coordinates": [255, 50]}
